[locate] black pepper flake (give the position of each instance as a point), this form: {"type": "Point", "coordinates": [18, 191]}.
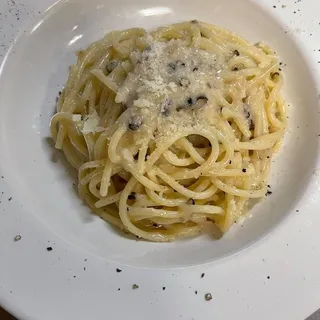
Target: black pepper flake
{"type": "Point", "coordinates": [132, 196]}
{"type": "Point", "coordinates": [118, 289]}
{"type": "Point", "coordinates": [17, 238]}
{"type": "Point", "coordinates": [251, 125]}
{"type": "Point", "coordinates": [208, 296]}
{"type": "Point", "coordinates": [74, 276]}
{"type": "Point", "coordinates": [118, 270]}
{"type": "Point", "coordinates": [268, 193]}
{"type": "Point", "coordinates": [163, 288]}
{"type": "Point", "coordinates": [134, 123]}
{"type": "Point", "coordinates": [49, 249]}
{"type": "Point", "coordinates": [10, 199]}
{"type": "Point", "coordinates": [274, 6]}
{"type": "Point", "coordinates": [268, 277]}
{"type": "Point", "coordinates": [195, 69]}
{"type": "Point", "coordinates": [155, 225]}
{"type": "Point", "coordinates": [275, 74]}
{"type": "Point", "coordinates": [235, 69]}
{"type": "Point", "coordinates": [297, 210]}
{"type": "Point", "coordinates": [191, 201]}
{"type": "Point", "coordinates": [230, 162]}
{"type": "Point", "coordinates": [85, 260]}
{"type": "Point", "coordinates": [190, 101]}
{"type": "Point", "coordinates": [84, 268]}
{"type": "Point", "coordinates": [111, 65]}
{"type": "Point", "coordinates": [135, 286]}
{"type": "Point", "coordinates": [180, 63]}
{"type": "Point", "coordinates": [171, 66]}
{"type": "Point", "coordinates": [60, 93]}
{"type": "Point", "coordinates": [196, 292]}
{"type": "Point", "coordinates": [194, 21]}
{"type": "Point", "coordinates": [244, 170]}
{"type": "Point", "coordinates": [236, 53]}
{"type": "Point", "coordinates": [202, 275]}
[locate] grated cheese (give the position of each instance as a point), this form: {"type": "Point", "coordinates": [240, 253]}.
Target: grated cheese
{"type": "Point", "coordinates": [76, 117]}
{"type": "Point", "coordinates": [91, 124]}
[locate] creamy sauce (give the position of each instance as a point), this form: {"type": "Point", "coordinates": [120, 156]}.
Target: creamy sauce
{"type": "Point", "coordinates": [169, 87]}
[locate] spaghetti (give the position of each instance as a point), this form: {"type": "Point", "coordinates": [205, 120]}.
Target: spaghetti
{"type": "Point", "coordinates": [171, 130]}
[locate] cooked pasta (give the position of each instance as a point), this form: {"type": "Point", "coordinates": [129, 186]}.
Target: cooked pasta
{"type": "Point", "coordinates": [171, 130]}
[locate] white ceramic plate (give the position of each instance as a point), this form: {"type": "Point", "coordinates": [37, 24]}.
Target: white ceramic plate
{"type": "Point", "coordinates": [276, 278]}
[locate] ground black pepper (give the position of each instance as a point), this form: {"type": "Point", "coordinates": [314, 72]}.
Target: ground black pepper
{"type": "Point", "coordinates": [49, 249]}
{"type": "Point", "coordinates": [179, 63]}
{"type": "Point", "coordinates": [132, 196]}
{"type": "Point", "coordinates": [171, 66]}
{"type": "Point", "coordinates": [251, 125]}
{"type": "Point", "coordinates": [111, 65]}
{"type": "Point", "coordinates": [190, 101]}
{"type": "Point", "coordinates": [208, 296]}
{"type": "Point", "coordinates": [134, 123]}
{"type": "Point", "coordinates": [202, 275]}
